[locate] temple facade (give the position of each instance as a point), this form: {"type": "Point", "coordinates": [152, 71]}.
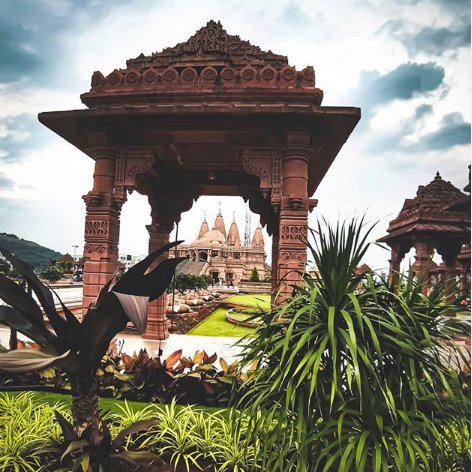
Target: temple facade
{"type": "Point", "coordinates": [223, 255]}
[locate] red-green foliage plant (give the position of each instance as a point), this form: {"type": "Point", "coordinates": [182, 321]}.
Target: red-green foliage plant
{"type": "Point", "coordinates": [187, 380]}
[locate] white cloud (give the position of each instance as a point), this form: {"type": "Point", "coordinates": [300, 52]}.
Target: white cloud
{"type": "Point", "coordinates": [340, 39]}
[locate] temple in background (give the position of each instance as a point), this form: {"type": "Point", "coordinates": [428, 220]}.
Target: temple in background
{"type": "Point", "coordinates": [223, 255]}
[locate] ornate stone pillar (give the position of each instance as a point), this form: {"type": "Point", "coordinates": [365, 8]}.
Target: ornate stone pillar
{"type": "Point", "coordinates": [293, 224]}
{"type": "Point", "coordinates": [102, 227]}
{"type": "Point", "coordinates": [157, 320]}
{"type": "Point", "coordinates": [422, 264]}
{"type": "Point", "coordinates": [274, 276]}
{"type": "Point", "coordinates": [398, 251]}
{"type": "Point", "coordinates": [449, 250]}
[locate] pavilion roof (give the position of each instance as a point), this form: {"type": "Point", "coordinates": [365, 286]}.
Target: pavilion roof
{"type": "Point", "coordinates": [211, 59]}
{"type": "Point", "coordinates": [437, 208]}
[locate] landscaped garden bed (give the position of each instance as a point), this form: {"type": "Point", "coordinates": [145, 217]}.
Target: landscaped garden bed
{"type": "Point", "coordinates": [349, 375]}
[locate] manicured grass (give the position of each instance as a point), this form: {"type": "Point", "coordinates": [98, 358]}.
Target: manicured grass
{"type": "Point", "coordinates": [256, 300]}
{"type": "Point", "coordinates": [217, 325]}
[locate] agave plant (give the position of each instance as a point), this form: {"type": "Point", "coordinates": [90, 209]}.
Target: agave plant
{"type": "Point", "coordinates": [354, 375]}
{"type": "Point", "coordinates": [78, 347]}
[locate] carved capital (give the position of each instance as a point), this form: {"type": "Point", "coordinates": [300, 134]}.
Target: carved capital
{"type": "Point", "coordinates": [297, 151]}
{"type": "Point", "coordinates": [160, 230]}
{"type": "Point", "coordinates": [100, 200]}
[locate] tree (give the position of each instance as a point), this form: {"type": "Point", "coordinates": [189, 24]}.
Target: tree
{"type": "Point", "coordinates": [184, 282]}
{"type": "Point", "coordinates": [66, 263]}
{"type": "Point", "coordinates": [52, 274]}
{"type": "Point", "coordinates": [254, 275]}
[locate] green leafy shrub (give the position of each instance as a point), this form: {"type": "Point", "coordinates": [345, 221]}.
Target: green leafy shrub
{"type": "Point", "coordinates": [52, 274]}
{"type": "Point", "coordinates": [196, 380]}
{"type": "Point", "coordinates": [184, 282]}
{"type": "Point", "coordinates": [354, 374]}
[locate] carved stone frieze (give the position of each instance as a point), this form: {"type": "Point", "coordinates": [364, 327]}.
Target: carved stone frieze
{"type": "Point", "coordinates": [294, 232]}
{"type": "Point", "coordinates": [97, 228]}
{"type": "Point", "coordinates": [297, 257]}
{"type": "Point", "coordinates": [100, 200]}
{"type": "Point", "coordinates": [102, 249]}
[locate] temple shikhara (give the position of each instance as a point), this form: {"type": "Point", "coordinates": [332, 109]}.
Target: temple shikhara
{"type": "Point", "coordinates": [214, 115]}
{"type": "Point", "coordinates": [223, 255]}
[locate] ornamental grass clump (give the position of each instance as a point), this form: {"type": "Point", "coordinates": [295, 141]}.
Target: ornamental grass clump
{"type": "Point", "coordinates": [354, 373]}
{"type": "Point", "coordinates": [27, 426]}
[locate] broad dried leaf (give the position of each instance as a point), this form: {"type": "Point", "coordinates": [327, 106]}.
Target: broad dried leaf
{"type": "Point", "coordinates": [198, 357]}
{"type": "Point", "coordinates": [173, 359]}
{"type": "Point", "coordinates": [186, 362]}
{"type": "Point", "coordinates": [127, 361]}
{"type": "Point", "coordinates": [224, 365]}
{"type": "Point", "coordinates": [212, 359]}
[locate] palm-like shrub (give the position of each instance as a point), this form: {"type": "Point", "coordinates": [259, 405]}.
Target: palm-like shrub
{"type": "Point", "coordinates": [78, 347]}
{"type": "Point", "coordinates": [355, 376]}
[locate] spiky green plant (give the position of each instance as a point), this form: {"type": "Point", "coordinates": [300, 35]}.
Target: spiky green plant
{"type": "Point", "coordinates": [353, 374]}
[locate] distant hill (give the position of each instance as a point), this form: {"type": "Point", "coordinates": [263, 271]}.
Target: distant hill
{"type": "Point", "coordinates": [29, 251]}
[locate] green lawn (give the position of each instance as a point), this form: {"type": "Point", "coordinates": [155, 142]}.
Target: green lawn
{"type": "Point", "coordinates": [216, 324]}
{"type": "Point", "coordinates": [256, 300]}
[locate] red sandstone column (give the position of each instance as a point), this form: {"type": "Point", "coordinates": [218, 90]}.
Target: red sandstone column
{"type": "Point", "coordinates": [293, 226]}
{"type": "Point", "coordinates": [397, 254]}
{"type": "Point", "coordinates": [422, 263]}
{"type": "Point", "coordinates": [157, 320]}
{"type": "Point", "coordinates": [274, 276]}
{"type": "Point", "coordinates": [449, 252]}
{"type": "Point", "coordinates": [102, 227]}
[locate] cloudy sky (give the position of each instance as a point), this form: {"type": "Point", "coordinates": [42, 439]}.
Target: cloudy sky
{"type": "Point", "coordinates": [406, 63]}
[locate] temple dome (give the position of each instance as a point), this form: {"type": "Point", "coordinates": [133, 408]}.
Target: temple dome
{"type": "Point", "coordinates": [215, 236]}
{"type": "Point", "coordinates": [201, 242]}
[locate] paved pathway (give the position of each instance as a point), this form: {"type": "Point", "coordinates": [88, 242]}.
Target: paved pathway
{"type": "Point", "coordinates": [223, 346]}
